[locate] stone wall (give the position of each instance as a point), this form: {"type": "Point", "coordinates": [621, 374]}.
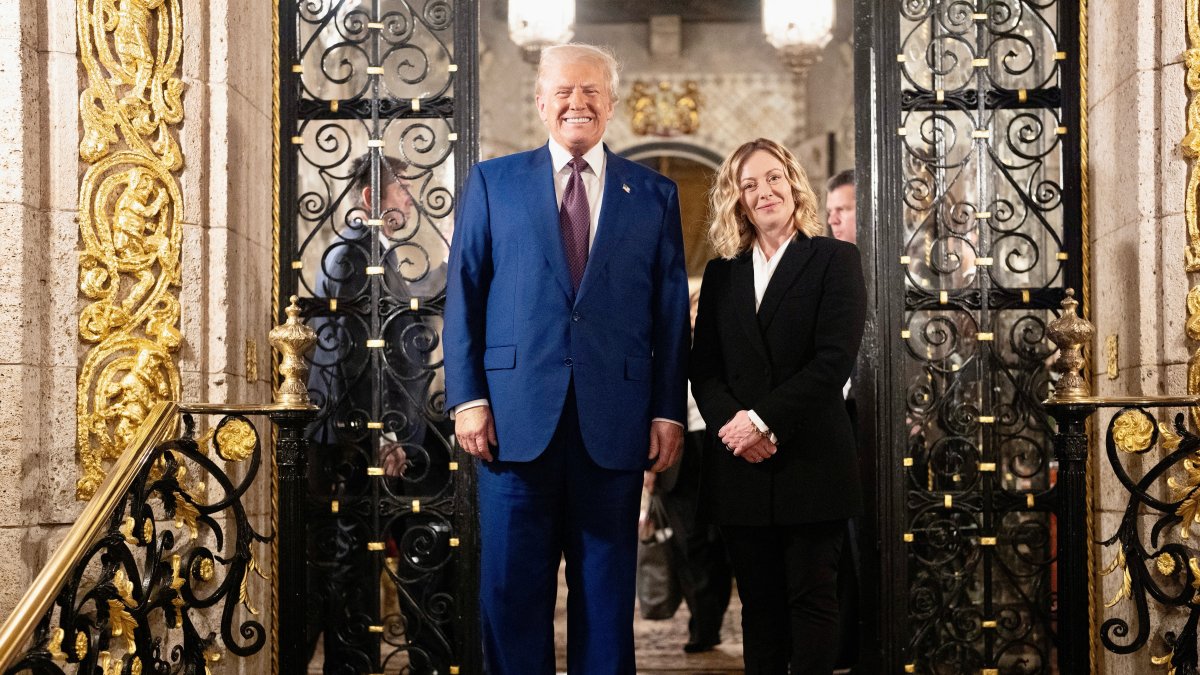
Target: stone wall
{"type": "Point", "coordinates": [226, 260]}
{"type": "Point", "coordinates": [1136, 115]}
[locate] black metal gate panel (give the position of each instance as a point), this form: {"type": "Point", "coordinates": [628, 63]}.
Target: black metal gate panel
{"type": "Point", "coordinates": [378, 101]}
{"type": "Point", "coordinates": [969, 160]}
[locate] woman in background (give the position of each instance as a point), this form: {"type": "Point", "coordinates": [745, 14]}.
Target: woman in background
{"type": "Point", "coordinates": [780, 320]}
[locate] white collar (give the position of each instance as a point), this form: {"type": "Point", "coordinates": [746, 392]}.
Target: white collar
{"type": "Point", "coordinates": [760, 257]}
{"type": "Point", "coordinates": [559, 156]}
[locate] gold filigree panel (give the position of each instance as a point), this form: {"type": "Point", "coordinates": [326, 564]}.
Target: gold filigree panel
{"type": "Point", "coordinates": [130, 209]}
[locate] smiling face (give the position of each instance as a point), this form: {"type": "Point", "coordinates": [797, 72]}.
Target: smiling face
{"type": "Point", "coordinates": [766, 195]}
{"type": "Point", "coordinates": [574, 103]}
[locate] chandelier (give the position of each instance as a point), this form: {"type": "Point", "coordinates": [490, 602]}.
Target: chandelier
{"type": "Point", "coordinates": [799, 29]}
{"type": "Point", "coordinates": [533, 24]}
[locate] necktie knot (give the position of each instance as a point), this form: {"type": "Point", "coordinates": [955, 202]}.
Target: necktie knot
{"type": "Point", "coordinates": [577, 164]}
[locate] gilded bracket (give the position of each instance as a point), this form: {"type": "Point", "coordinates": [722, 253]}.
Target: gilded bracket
{"type": "Point", "coordinates": [129, 222]}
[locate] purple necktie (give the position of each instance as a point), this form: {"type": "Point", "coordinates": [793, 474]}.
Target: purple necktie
{"type": "Point", "coordinates": [574, 221]}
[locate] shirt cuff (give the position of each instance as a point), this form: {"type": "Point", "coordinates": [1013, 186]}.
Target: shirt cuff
{"type": "Point", "coordinates": [479, 402]}
{"type": "Point", "coordinates": [762, 426]}
{"type": "Point", "coordinates": [664, 419]}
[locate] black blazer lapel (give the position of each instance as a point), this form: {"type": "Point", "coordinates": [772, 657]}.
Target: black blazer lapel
{"type": "Point", "coordinates": [797, 255]}
{"type": "Point", "coordinates": [742, 278]}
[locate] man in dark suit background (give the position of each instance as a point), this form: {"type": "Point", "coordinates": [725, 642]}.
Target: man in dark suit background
{"type": "Point", "coordinates": [375, 245]}
{"type": "Point", "coordinates": [566, 339]}
{"type": "Point", "coordinates": [840, 216]}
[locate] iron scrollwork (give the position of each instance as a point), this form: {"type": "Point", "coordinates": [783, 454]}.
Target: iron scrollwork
{"type": "Point", "coordinates": [983, 265]}
{"type": "Point", "coordinates": [1158, 567]}
{"type": "Point", "coordinates": [138, 600]}
{"type": "Point", "coordinates": [373, 119]}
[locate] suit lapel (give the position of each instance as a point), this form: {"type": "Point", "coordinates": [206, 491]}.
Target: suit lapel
{"type": "Point", "coordinates": [743, 301]}
{"type": "Point", "coordinates": [794, 259]}
{"type": "Point", "coordinates": [534, 189]}
{"type": "Point", "coordinates": [614, 218]}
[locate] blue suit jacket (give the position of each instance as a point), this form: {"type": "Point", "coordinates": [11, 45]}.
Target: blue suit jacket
{"type": "Point", "coordinates": [516, 334]}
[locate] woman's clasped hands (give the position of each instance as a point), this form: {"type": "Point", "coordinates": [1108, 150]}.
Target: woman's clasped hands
{"type": "Point", "coordinates": [745, 440]}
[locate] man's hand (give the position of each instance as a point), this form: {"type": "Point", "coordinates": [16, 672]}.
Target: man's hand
{"type": "Point", "coordinates": [395, 460]}
{"type": "Point", "coordinates": [666, 441]}
{"type": "Point", "coordinates": [476, 431]}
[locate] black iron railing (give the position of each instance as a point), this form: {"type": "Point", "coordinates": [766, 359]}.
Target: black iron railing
{"type": "Point", "coordinates": [1156, 604]}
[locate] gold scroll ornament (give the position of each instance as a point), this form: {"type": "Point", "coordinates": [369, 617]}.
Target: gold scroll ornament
{"type": "Point", "coordinates": [664, 112]}
{"type": "Point", "coordinates": [1190, 146]}
{"type": "Point", "coordinates": [129, 222]}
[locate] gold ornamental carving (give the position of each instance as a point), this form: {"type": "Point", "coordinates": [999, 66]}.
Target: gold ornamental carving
{"type": "Point", "coordinates": [1190, 146]}
{"type": "Point", "coordinates": [1132, 431]}
{"type": "Point", "coordinates": [664, 112]}
{"type": "Point", "coordinates": [1071, 334]}
{"type": "Point", "coordinates": [292, 339]}
{"type": "Point", "coordinates": [130, 211]}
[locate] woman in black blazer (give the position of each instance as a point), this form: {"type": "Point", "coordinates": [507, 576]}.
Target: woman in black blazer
{"type": "Point", "coordinates": [780, 319]}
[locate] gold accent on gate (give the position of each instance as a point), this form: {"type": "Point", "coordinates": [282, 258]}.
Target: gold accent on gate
{"type": "Point", "coordinates": [1132, 431]}
{"type": "Point", "coordinates": [1071, 334]}
{"type": "Point", "coordinates": [130, 212]}
{"type": "Point", "coordinates": [236, 440]}
{"type": "Point", "coordinates": [292, 339]}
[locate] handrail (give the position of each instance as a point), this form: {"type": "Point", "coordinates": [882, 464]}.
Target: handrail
{"type": "Point", "coordinates": [18, 628]}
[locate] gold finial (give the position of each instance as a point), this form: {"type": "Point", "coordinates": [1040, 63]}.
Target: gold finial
{"type": "Point", "coordinates": [1070, 333]}
{"type": "Point", "coordinates": [292, 339]}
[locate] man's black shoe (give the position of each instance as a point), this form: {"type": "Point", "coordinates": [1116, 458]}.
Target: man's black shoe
{"type": "Point", "coordinates": [699, 647]}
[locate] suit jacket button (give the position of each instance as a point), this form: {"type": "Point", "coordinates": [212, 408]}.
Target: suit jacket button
{"type": "Point", "coordinates": [576, 316]}
{"type": "Point", "coordinates": [568, 362]}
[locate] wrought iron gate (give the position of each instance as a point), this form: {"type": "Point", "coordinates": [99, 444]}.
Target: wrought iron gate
{"type": "Point", "coordinates": [968, 154]}
{"type": "Point", "coordinates": [378, 110]}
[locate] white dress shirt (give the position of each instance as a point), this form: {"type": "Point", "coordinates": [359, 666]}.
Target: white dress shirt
{"type": "Point", "coordinates": [764, 269]}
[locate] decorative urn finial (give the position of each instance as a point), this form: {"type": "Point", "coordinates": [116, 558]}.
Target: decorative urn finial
{"type": "Point", "coordinates": [1070, 333]}
{"type": "Point", "coordinates": [292, 339]}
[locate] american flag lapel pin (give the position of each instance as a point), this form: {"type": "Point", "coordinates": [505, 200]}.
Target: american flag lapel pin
{"type": "Point", "coordinates": [625, 188]}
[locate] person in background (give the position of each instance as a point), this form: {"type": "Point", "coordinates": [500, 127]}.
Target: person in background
{"type": "Point", "coordinates": [840, 216]}
{"type": "Point", "coordinates": [698, 558]}
{"type": "Point", "coordinates": [781, 316]}
{"type": "Point", "coordinates": [839, 206]}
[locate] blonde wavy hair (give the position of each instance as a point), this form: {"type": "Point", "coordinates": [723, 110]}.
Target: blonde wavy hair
{"type": "Point", "coordinates": [731, 231]}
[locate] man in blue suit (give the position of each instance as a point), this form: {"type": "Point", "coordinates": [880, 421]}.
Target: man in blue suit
{"type": "Point", "coordinates": [566, 332]}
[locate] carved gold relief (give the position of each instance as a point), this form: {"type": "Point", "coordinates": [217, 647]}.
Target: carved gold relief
{"type": "Point", "coordinates": [236, 440]}
{"type": "Point", "coordinates": [664, 112]}
{"type": "Point", "coordinates": [130, 210]}
{"type": "Point", "coordinates": [1132, 431]}
{"type": "Point", "coordinates": [1184, 488]}
{"type": "Point", "coordinates": [1190, 146]}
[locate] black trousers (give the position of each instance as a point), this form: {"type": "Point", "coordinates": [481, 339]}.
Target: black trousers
{"type": "Point", "coordinates": [787, 580]}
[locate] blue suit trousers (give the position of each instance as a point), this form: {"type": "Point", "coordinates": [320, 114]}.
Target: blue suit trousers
{"type": "Point", "coordinates": [532, 514]}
